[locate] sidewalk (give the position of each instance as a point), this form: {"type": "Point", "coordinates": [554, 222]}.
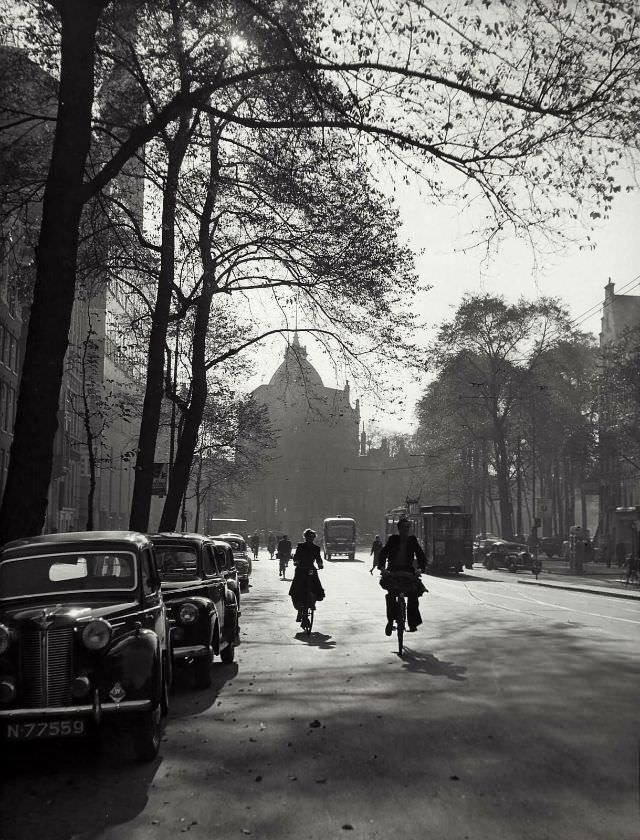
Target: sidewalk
{"type": "Point", "coordinates": [596, 579]}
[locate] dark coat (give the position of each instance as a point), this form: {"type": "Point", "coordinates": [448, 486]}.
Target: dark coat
{"type": "Point", "coordinates": [389, 554]}
{"type": "Point", "coordinates": [305, 559]}
{"type": "Point", "coordinates": [284, 549]}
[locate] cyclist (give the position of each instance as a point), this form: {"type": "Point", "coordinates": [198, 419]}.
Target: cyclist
{"type": "Point", "coordinates": [305, 579]}
{"type": "Point", "coordinates": [271, 544]}
{"type": "Point", "coordinates": [399, 554]}
{"type": "Point", "coordinates": [284, 554]}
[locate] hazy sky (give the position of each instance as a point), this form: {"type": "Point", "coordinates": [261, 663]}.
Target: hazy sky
{"type": "Point", "coordinates": [438, 233]}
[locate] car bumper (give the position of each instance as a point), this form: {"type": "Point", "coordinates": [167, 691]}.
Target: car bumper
{"type": "Point", "coordinates": [190, 651]}
{"type": "Point", "coordinates": [83, 710]}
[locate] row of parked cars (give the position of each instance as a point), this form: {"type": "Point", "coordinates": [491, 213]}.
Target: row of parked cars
{"type": "Point", "coordinates": [93, 624]}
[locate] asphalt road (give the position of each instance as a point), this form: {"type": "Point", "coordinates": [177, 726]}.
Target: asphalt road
{"type": "Point", "coordinates": [513, 714]}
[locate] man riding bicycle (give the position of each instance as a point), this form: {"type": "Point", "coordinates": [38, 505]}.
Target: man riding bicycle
{"type": "Point", "coordinates": [398, 555]}
{"type": "Point", "coordinates": [284, 553]}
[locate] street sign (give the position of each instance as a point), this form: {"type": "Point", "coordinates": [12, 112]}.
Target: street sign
{"type": "Point", "coordinates": [160, 472]}
{"type": "Point", "coordinates": [543, 507]}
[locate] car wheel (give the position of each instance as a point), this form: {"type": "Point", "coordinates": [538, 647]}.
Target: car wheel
{"type": "Point", "coordinates": [164, 699]}
{"type": "Point", "coordinates": [228, 655]}
{"type": "Point", "coordinates": [489, 565]}
{"type": "Point", "coordinates": [202, 671]}
{"type": "Point", "coordinates": [513, 566]}
{"type": "Point", "coordinates": [352, 557]}
{"type": "Point", "coordinates": [146, 734]}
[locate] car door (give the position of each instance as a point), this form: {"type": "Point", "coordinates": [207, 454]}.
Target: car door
{"type": "Point", "coordinates": [154, 616]}
{"type": "Point", "coordinates": [214, 581]}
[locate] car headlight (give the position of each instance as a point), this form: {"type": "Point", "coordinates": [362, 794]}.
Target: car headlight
{"type": "Point", "coordinates": [188, 613]}
{"type": "Point", "coordinates": [5, 638]}
{"type": "Point", "coordinates": [97, 634]}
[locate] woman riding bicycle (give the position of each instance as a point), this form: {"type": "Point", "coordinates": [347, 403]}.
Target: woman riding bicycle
{"type": "Point", "coordinates": [306, 584]}
{"type": "Point", "coordinates": [398, 555]}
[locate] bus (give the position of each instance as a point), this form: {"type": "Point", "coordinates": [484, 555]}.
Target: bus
{"type": "Point", "coordinates": [339, 537]}
{"type": "Point", "coordinates": [445, 533]}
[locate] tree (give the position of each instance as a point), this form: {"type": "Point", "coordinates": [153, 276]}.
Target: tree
{"type": "Point", "coordinates": [524, 102]}
{"type": "Point", "coordinates": [492, 353]}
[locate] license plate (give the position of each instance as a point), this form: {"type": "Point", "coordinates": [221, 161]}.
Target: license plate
{"type": "Point", "coordinates": [44, 729]}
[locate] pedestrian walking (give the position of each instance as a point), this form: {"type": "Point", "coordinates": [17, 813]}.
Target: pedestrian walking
{"type": "Point", "coordinates": [376, 548]}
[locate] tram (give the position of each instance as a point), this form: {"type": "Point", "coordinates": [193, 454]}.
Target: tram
{"type": "Point", "coordinates": [445, 533]}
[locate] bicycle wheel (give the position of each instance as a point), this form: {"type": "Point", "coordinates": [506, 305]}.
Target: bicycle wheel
{"type": "Point", "coordinates": [401, 615]}
{"type": "Point", "coordinates": [308, 623]}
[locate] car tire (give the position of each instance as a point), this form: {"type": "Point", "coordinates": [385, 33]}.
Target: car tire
{"type": "Point", "coordinates": [489, 565]}
{"type": "Point", "coordinates": [228, 654]}
{"type": "Point", "coordinates": [352, 556]}
{"type": "Point", "coordinates": [513, 566]}
{"type": "Point", "coordinates": [147, 733]}
{"type": "Point", "coordinates": [202, 671]}
{"type": "Point", "coordinates": [166, 677]}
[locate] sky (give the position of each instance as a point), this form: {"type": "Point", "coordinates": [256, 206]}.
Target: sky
{"type": "Point", "coordinates": [437, 235]}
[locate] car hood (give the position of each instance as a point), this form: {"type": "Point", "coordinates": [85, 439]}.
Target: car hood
{"type": "Point", "coordinates": [65, 614]}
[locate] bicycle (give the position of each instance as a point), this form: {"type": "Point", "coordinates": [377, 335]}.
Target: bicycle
{"type": "Point", "coordinates": [283, 563]}
{"type": "Point", "coordinates": [309, 606]}
{"type": "Point", "coordinates": [400, 610]}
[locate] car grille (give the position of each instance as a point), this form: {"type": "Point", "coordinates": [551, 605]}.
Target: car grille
{"type": "Point", "coordinates": [47, 667]}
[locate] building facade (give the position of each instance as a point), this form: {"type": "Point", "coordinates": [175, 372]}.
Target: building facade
{"type": "Point", "coordinates": [321, 464]}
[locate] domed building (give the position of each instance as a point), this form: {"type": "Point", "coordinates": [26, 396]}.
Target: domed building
{"type": "Point", "coordinates": [320, 465]}
{"type": "Point", "coordinates": [316, 431]}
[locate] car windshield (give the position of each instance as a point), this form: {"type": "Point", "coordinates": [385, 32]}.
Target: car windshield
{"type": "Point", "coordinates": [67, 573]}
{"type": "Point", "coordinates": [236, 545]}
{"type": "Point", "coordinates": [177, 562]}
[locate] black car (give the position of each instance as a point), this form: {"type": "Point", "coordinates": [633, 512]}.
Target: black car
{"type": "Point", "coordinates": [203, 605]}
{"type": "Point", "coordinates": [508, 555]}
{"type": "Point", "coordinates": [84, 635]}
{"type": "Point", "coordinates": [237, 563]}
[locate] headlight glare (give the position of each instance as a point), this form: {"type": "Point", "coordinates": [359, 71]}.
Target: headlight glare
{"type": "Point", "coordinates": [5, 638]}
{"type": "Point", "coordinates": [97, 634]}
{"type": "Point", "coordinates": [188, 613]}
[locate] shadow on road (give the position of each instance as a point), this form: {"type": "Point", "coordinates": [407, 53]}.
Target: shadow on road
{"type": "Point", "coordinates": [77, 787]}
{"type": "Point", "coordinates": [425, 663]}
{"type": "Point", "coordinates": [319, 640]}
{"type": "Point", "coordinates": [187, 701]}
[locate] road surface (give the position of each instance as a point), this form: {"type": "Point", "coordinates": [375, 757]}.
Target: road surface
{"type": "Point", "coordinates": [513, 714]}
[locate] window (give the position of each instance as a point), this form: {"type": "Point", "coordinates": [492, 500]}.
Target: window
{"type": "Point", "coordinates": [3, 406]}
{"type": "Point", "coordinates": [148, 575]}
{"type": "Point", "coordinates": [13, 361]}
{"type": "Point", "coordinates": [221, 557]}
{"type": "Point", "coordinates": [2, 332]}
{"type": "Point", "coordinates": [209, 561]}
{"type": "Point", "coordinates": [6, 348]}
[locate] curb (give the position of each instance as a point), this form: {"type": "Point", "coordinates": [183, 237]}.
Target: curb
{"type": "Point", "coordinates": [589, 590]}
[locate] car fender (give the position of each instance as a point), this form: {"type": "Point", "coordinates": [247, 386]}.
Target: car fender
{"type": "Point", "coordinates": [134, 661]}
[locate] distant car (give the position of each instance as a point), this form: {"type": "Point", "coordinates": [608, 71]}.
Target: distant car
{"type": "Point", "coordinates": [241, 556]}
{"type": "Point", "coordinates": [551, 546]}
{"type": "Point", "coordinates": [508, 555]}
{"type": "Point", "coordinates": [482, 544]}
{"type": "Point", "coordinates": [202, 604]}
{"type": "Point", "coordinates": [84, 635]}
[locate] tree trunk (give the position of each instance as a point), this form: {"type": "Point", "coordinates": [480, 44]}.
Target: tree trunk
{"type": "Point", "coordinates": [188, 440]}
{"type": "Point", "coordinates": [502, 480]}
{"type": "Point", "coordinates": [25, 498]}
{"type": "Point", "coordinates": [152, 404]}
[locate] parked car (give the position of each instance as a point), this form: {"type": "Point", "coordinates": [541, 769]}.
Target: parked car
{"type": "Point", "coordinates": [203, 605]}
{"type": "Point", "coordinates": [240, 556]}
{"type": "Point", "coordinates": [508, 555]}
{"type": "Point", "coordinates": [482, 545]}
{"type": "Point", "coordinates": [551, 546]}
{"type": "Point", "coordinates": [84, 635]}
